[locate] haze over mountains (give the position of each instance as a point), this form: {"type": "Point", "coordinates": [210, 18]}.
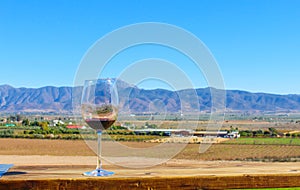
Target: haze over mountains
{"type": "Point", "coordinates": [59, 100]}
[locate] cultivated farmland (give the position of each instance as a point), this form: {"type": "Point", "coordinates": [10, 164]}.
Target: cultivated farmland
{"type": "Point", "coordinates": [233, 151]}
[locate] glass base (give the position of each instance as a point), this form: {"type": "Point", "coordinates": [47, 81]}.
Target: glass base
{"type": "Point", "coordinates": [98, 172]}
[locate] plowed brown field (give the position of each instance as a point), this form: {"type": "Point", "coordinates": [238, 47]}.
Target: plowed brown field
{"type": "Point", "coordinates": [191, 151]}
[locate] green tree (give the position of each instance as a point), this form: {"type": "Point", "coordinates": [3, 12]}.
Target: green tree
{"type": "Point", "coordinates": [26, 122]}
{"type": "Point", "coordinates": [273, 131]}
{"type": "Point", "coordinates": [35, 123]}
{"type": "Point", "coordinates": [267, 133]}
{"type": "Point", "coordinates": [244, 133]}
{"type": "Point", "coordinates": [44, 126]}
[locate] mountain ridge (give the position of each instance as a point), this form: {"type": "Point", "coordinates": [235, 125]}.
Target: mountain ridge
{"type": "Point", "coordinates": [59, 100]}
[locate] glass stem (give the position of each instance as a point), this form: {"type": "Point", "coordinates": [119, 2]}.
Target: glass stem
{"type": "Point", "coordinates": [99, 163]}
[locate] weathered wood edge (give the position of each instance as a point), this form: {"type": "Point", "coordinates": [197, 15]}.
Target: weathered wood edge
{"type": "Point", "coordinates": [191, 182]}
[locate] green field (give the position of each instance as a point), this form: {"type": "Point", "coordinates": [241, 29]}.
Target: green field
{"type": "Point", "coordinates": [265, 141]}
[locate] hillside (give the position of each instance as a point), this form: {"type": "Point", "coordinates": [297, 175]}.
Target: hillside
{"type": "Point", "coordinates": [59, 100]}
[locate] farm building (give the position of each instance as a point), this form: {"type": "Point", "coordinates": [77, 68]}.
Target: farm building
{"type": "Point", "coordinates": [76, 127]}
{"type": "Point", "coordinates": [183, 132]}
{"type": "Point", "coordinates": [211, 133]}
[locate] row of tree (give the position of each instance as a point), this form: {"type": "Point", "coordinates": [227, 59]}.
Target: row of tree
{"type": "Point", "coordinates": [271, 132]}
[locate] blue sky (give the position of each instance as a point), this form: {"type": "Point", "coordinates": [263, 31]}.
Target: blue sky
{"type": "Point", "coordinates": [255, 42]}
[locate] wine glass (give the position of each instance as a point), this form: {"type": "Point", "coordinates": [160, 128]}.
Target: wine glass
{"type": "Point", "coordinates": [99, 110]}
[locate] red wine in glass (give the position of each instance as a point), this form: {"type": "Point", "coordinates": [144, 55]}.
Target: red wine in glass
{"type": "Point", "coordinates": [99, 110]}
{"type": "Point", "coordinates": [99, 123]}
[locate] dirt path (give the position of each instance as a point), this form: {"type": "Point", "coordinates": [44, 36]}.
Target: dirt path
{"type": "Point", "coordinates": [78, 164]}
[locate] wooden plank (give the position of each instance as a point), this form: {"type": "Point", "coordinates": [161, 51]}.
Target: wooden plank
{"type": "Point", "coordinates": [193, 182]}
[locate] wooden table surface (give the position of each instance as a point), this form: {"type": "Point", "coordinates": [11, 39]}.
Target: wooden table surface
{"type": "Point", "coordinates": [174, 174]}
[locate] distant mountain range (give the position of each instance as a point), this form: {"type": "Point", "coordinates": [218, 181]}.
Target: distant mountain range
{"type": "Point", "coordinates": [133, 99]}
